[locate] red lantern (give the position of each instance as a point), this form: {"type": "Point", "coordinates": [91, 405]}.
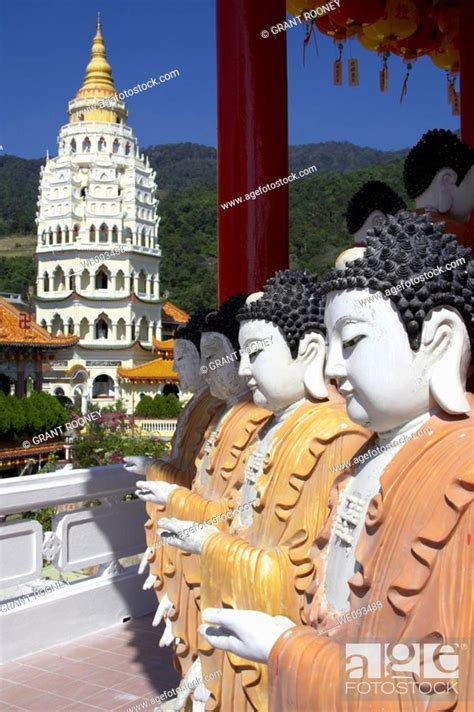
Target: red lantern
{"type": "Point", "coordinates": [400, 20]}
{"type": "Point", "coordinates": [328, 27]}
{"type": "Point", "coordinates": [446, 56]}
{"type": "Point", "coordinates": [358, 12]}
{"type": "Point", "coordinates": [425, 40]}
{"type": "Point", "coordinates": [449, 17]}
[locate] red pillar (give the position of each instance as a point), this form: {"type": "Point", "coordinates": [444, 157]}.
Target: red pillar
{"type": "Point", "coordinates": [467, 72]}
{"type": "Point", "coordinates": [252, 143]}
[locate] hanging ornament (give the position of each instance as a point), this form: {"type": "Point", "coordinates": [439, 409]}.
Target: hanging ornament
{"type": "Point", "coordinates": [328, 27]}
{"type": "Point", "coordinates": [337, 69]}
{"type": "Point", "coordinates": [405, 82]}
{"type": "Point", "coordinates": [448, 16]}
{"type": "Point", "coordinates": [357, 13]}
{"type": "Point", "coordinates": [400, 20]}
{"type": "Point", "coordinates": [423, 41]}
{"type": "Point", "coordinates": [446, 56]}
{"type": "Point", "coordinates": [309, 32]}
{"type": "Point", "coordinates": [453, 95]}
{"type": "Point", "coordinates": [383, 76]}
{"type": "Point", "coordinates": [353, 70]}
{"type": "Point", "coordinates": [369, 43]}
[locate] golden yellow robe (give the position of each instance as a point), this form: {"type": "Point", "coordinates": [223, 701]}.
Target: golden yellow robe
{"type": "Point", "coordinates": [416, 553]}
{"type": "Point", "coordinates": [267, 565]}
{"type": "Point", "coordinates": [211, 495]}
{"type": "Point", "coordinates": [200, 413]}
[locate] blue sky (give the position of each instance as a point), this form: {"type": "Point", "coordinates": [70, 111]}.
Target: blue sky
{"type": "Point", "coordinates": [45, 46]}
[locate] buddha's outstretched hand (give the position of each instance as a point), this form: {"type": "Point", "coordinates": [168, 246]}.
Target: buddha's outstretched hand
{"type": "Point", "coordinates": [185, 535]}
{"type": "Point", "coordinates": [248, 634]}
{"type": "Point", "coordinates": [137, 463]}
{"type": "Point", "coordinates": [154, 491]}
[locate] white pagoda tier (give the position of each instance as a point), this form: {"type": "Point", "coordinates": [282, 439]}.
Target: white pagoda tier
{"type": "Point", "coordinates": [98, 255]}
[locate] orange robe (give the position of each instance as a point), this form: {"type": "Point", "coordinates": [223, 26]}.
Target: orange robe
{"type": "Point", "coordinates": [463, 231]}
{"type": "Point", "coordinates": [199, 412]}
{"type": "Point", "coordinates": [416, 557]}
{"type": "Point", "coordinates": [213, 494]}
{"type": "Point", "coordinates": [267, 565]}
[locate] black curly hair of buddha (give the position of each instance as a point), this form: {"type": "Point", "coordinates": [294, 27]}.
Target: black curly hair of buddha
{"type": "Point", "coordinates": [292, 301]}
{"type": "Point", "coordinates": [192, 330]}
{"type": "Point", "coordinates": [224, 321]}
{"type": "Point", "coordinates": [437, 149]}
{"type": "Point", "coordinates": [373, 195]}
{"type": "Point", "coordinates": [404, 247]}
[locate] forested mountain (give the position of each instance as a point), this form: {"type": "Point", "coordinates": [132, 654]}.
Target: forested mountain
{"type": "Point", "coordinates": [188, 208]}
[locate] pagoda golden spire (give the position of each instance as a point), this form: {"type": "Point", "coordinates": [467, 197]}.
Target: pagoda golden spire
{"type": "Point", "coordinates": [98, 79]}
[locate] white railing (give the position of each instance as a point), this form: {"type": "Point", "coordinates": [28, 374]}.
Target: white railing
{"type": "Point", "coordinates": [164, 428]}
{"type": "Point", "coordinates": [98, 535]}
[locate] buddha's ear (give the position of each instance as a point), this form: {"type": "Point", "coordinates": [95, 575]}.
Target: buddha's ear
{"type": "Point", "coordinates": [312, 352]}
{"type": "Point", "coordinates": [444, 338]}
{"type": "Point", "coordinates": [444, 182]}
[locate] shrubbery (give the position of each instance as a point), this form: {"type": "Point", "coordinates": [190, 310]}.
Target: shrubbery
{"type": "Point", "coordinates": [158, 407]}
{"type": "Point", "coordinates": [36, 413]}
{"type": "Point", "coordinates": [101, 446]}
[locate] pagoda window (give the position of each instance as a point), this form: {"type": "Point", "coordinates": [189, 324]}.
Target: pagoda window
{"type": "Point", "coordinates": [127, 149]}
{"type": "Point", "coordinates": [70, 327]}
{"type": "Point", "coordinates": [59, 280]}
{"type": "Point", "coordinates": [133, 330]}
{"type": "Point", "coordinates": [143, 331]}
{"type": "Point", "coordinates": [121, 331]}
{"type": "Point", "coordinates": [50, 235]}
{"type": "Point", "coordinates": [59, 391]}
{"type": "Point", "coordinates": [66, 234]}
{"type": "Point", "coordinates": [73, 146]}
{"type": "Point", "coordinates": [92, 233]}
{"type": "Point", "coordinates": [84, 328]}
{"type": "Point", "coordinates": [83, 193]}
{"type": "Point", "coordinates": [57, 325]}
{"type": "Point", "coordinates": [115, 234]}
{"type": "Point", "coordinates": [46, 282]}
{"type": "Point", "coordinates": [81, 116]}
{"type": "Point", "coordinates": [75, 232]}
{"type": "Point", "coordinates": [72, 281]}
{"type": "Point", "coordinates": [143, 237]}
{"type": "Point", "coordinates": [142, 282]}
{"type": "Point", "coordinates": [103, 233]}
{"type": "Point", "coordinates": [58, 235]}
{"type": "Point", "coordinates": [127, 235]}
{"type": "Point", "coordinates": [101, 329]}
{"type": "Point", "coordinates": [43, 237]}
{"type": "Point", "coordinates": [85, 279]}
{"type": "Point", "coordinates": [103, 387]}
{"type": "Point", "coordinates": [101, 144]}
{"type": "Point", "coordinates": [116, 146]}
{"type": "Point", "coordinates": [101, 279]}
{"type": "Point", "coordinates": [86, 145]}
{"type": "Point", "coordinates": [120, 281]}
{"type": "Point", "coordinates": [44, 324]}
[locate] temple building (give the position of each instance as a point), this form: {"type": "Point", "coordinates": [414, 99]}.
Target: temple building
{"type": "Point", "coordinates": [98, 255]}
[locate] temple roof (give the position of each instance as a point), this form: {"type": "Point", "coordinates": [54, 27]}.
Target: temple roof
{"type": "Point", "coordinates": [175, 313]}
{"type": "Point", "coordinates": [157, 371]}
{"type": "Point", "coordinates": [165, 348]}
{"type": "Point", "coordinates": [18, 328]}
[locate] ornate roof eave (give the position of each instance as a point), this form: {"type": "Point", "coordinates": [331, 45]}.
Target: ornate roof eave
{"type": "Point", "coordinates": [112, 347]}
{"type": "Point", "coordinates": [175, 313]}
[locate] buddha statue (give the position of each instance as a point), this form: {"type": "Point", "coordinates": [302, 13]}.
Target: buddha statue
{"type": "Point", "coordinates": [263, 561]}
{"type": "Point", "coordinates": [394, 561]}
{"type": "Point", "coordinates": [179, 467]}
{"type": "Point", "coordinates": [369, 206]}
{"type": "Point", "coordinates": [218, 472]}
{"type": "Point", "coordinates": [439, 175]}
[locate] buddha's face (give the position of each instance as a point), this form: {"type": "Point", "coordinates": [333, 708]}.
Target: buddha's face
{"type": "Point", "coordinates": [274, 377]}
{"type": "Point", "coordinates": [220, 366]}
{"type": "Point", "coordinates": [463, 197]}
{"type": "Point", "coordinates": [385, 383]}
{"type": "Point", "coordinates": [187, 362]}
